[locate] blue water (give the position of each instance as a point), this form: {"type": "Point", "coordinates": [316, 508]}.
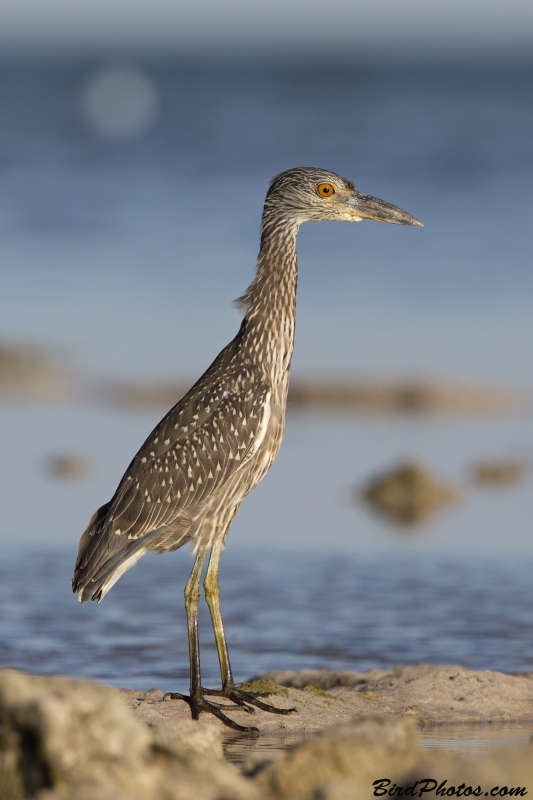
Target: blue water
{"type": "Point", "coordinates": [128, 254]}
{"type": "Point", "coordinates": [282, 610]}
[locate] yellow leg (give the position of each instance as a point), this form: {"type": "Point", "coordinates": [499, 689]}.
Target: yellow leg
{"type": "Point", "coordinates": [196, 701]}
{"type": "Point", "coordinates": [212, 595]}
{"type": "Point", "coordinates": [244, 700]}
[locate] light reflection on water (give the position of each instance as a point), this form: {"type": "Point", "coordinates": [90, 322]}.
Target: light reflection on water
{"type": "Point", "coordinates": [467, 740]}
{"type": "Point", "coordinates": [475, 740]}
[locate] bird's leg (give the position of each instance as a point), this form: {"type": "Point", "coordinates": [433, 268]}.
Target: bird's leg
{"type": "Point", "coordinates": [242, 699]}
{"type": "Point", "coordinates": [192, 601]}
{"type": "Point", "coordinates": [195, 699]}
{"type": "Point", "coordinates": [212, 594]}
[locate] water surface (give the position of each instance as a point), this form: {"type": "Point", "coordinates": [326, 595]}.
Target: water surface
{"type": "Point", "coordinates": [282, 610]}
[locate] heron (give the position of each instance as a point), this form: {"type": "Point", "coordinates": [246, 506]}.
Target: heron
{"type": "Point", "coordinates": [187, 481]}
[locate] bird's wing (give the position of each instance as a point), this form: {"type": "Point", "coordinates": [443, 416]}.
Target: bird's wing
{"type": "Point", "coordinates": [193, 451]}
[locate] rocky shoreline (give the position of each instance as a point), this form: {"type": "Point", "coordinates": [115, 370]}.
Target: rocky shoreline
{"type": "Point", "coordinates": [431, 694]}
{"type": "Point", "coordinates": [64, 739]}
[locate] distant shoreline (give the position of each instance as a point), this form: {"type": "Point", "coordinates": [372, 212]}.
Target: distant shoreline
{"type": "Point", "coordinates": [28, 373]}
{"type": "Point", "coordinates": [381, 396]}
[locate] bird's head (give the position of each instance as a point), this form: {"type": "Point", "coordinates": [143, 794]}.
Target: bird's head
{"type": "Point", "coordinates": [308, 193]}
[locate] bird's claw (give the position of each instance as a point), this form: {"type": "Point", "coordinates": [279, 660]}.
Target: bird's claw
{"type": "Point", "coordinates": [200, 704]}
{"type": "Point", "coordinates": [245, 699]}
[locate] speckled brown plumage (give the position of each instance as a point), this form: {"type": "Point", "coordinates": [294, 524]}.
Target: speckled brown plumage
{"type": "Point", "coordinates": [188, 479]}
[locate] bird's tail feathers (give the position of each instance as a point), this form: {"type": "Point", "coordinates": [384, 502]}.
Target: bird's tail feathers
{"type": "Point", "coordinates": [103, 556]}
{"type": "Point", "coordinates": [91, 549]}
{"type": "Point", "coordinates": [98, 586]}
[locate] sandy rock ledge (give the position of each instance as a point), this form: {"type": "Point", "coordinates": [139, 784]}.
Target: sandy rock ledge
{"type": "Point", "coordinates": [64, 739]}
{"type": "Point", "coordinates": [433, 694]}
{"type": "Point", "coordinates": [430, 694]}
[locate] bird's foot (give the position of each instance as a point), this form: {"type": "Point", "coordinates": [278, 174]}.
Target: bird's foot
{"type": "Point", "coordinates": [245, 699]}
{"type": "Point", "coordinates": [200, 704]}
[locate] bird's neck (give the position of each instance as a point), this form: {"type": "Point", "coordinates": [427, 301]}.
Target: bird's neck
{"type": "Point", "coordinates": [267, 332]}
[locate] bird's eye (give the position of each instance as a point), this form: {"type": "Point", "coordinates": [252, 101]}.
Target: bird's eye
{"type": "Point", "coordinates": [325, 189]}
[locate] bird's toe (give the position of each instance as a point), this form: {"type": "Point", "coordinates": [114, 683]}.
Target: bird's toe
{"type": "Point", "coordinates": [246, 699]}
{"type": "Point", "coordinates": [199, 705]}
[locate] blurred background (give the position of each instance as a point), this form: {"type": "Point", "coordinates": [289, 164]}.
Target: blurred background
{"type": "Point", "coordinates": [136, 146]}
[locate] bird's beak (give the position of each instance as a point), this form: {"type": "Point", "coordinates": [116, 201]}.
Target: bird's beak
{"type": "Point", "coordinates": [363, 206]}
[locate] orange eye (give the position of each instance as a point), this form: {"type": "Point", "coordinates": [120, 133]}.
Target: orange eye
{"type": "Point", "coordinates": [325, 189]}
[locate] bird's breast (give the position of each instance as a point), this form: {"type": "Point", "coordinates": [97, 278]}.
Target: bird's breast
{"type": "Point", "coordinates": [274, 424]}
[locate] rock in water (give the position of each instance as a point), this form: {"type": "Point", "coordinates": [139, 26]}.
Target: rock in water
{"type": "Point", "coordinates": [27, 372]}
{"type": "Point", "coordinates": [70, 466]}
{"type": "Point", "coordinates": [408, 494]}
{"type": "Point", "coordinates": [499, 473]}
